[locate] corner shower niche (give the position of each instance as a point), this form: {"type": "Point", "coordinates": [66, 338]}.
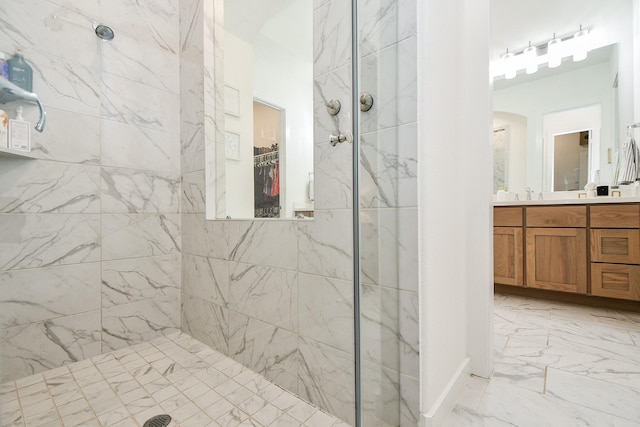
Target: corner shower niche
{"type": "Point", "coordinates": [10, 93]}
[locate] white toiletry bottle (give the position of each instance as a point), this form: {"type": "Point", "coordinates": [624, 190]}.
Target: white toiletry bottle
{"type": "Point", "coordinates": [4, 129]}
{"type": "Point", "coordinates": [19, 132]}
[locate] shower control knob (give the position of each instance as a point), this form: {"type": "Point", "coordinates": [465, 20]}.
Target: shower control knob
{"type": "Point", "coordinates": [333, 107]}
{"type": "Point", "coordinates": [336, 139]}
{"type": "Point", "coordinates": [366, 102]}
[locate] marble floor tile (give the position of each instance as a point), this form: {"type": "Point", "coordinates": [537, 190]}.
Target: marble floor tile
{"type": "Point", "coordinates": [556, 364]}
{"type": "Point", "coordinates": [174, 374]}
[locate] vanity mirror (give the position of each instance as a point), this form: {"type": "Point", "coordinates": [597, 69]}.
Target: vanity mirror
{"type": "Point", "coordinates": [266, 157]}
{"type": "Point", "coordinates": [594, 95]}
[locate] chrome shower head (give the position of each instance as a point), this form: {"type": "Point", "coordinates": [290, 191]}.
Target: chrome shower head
{"type": "Point", "coordinates": [104, 32]}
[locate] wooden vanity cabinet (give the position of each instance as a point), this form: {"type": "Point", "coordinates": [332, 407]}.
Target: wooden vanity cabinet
{"type": "Point", "coordinates": [556, 248]}
{"type": "Point", "coordinates": [615, 251]}
{"type": "Point", "coordinates": [508, 246]}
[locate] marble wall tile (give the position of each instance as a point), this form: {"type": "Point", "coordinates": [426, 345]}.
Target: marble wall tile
{"type": "Point", "coordinates": [409, 333]}
{"type": "Point", "coordinates": [139, 235]}
{"type": "Point", "coordinates": [204, 238]}
{"type": "Point", "coordinates": [128, 324]}
{"type": "Point", "coordinates": [390, 77]}
{"type": "Point", "coordinates": [192, 76]}
{"type": "Point", "coordinates": [156, 23]}
{"type": "Point", "coordinates": [191, 28]}
{"type": "Point", "coordinates": [134, 191]}
{"type": "Point", "coordinates": [380, 326]}
{"type": "Point", "coordinates": [389, 168]}
{"type": "Point", "coordinates": [380, 390]}
{"type": "Point", "coordinates": [206, 322]}
{"type": "Point", "coordinates": [35, 186]}
{"type": "Point", "coordinates": [409, 401]}
{"type": "Point", "coordinates": [268, 243]}
{"type": "Point", "coordinates": [264, 348]}
{"type": "Point", "coordinates": [55, 30]}
{"type": "Point", "coordinates": [331, 36]}
{"type": "Point", "coordinates": [327, 378]}
{"type": "Point", "coordinates": [385, 22]}
{"type": "Point", "coordinates": [206, 279]}
{"type": "Point", "coordinates": [137, 147]}
{"type": "Point", "coordinates": [131, 280]}
{"type": "Point", "coordinates": [264, 293]}
{"type": "Point", "coordinates": [126, 101]}
{"type": "Point", "coordinates": [40, 240]}
{"type": "Point", "coordinates": [334, 85]}
{"type": "Point", "coordinates": [192, 145]}
{"type": "Point", "coordinates": [325, 245]}
{"type": "Point", "coordinates": [326, 311]}
{"type": "Point", "coordinates": [69, 137]}
{"type": "Point", "coordinates": [142, 61]}
{"type": "Point", "coordinates": [39, 346]}
{"type": "Point", "coordinates": [333, 178]}
{"type": "Point", "coordinates": [193, 193]}
{"type": "Point", "coordinates": [37, 294]}
{"type": "Point", "coordinates": [379, 246]}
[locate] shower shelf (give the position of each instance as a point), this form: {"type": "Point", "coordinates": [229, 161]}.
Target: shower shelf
{"type": "Point", "coordinates": [8, 152]}
{"type": "Point", "coordinates": [12, 93]}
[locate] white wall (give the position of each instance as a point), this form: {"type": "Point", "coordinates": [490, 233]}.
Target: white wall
{"type": "Point", "coordinates": [238, 70]}
{"type": "Point", "coordinates": [455, 199]}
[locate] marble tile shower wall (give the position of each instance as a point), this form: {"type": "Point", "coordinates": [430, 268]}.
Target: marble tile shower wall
{"type": "Point", "coordinates": [90, 231]}
{"type": "Point", "coordinates": [277, 295]}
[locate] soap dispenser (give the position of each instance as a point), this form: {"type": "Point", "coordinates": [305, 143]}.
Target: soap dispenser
{"type": "Point", "coordinates": [19, 133]}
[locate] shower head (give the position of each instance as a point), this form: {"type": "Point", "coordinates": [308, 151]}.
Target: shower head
{"type": "Point", "coordinates": [104, 32]}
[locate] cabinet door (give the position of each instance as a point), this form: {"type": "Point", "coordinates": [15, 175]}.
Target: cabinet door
{"type": "Point", "coordinates": [508, 263]}
{"type": "Point", "coordinates": [615, 245]}
{"type": "Point", "coordinates": [615, 281]}
{"type": "Point", "coordinates": [557, 259]}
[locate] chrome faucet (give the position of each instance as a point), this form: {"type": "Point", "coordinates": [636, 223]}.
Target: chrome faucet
{"type": "Point", "coordinates": [528, 193]}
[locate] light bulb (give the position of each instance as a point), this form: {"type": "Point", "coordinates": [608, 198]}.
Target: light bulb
{"type": "Point", "coordinates": [580, 45]}
{"type": "Point", "coordinates": [531, 59]}
{"type": "Point", "coordinates": [508, 66]}
{"type": "Point", "coordinates": [553, 51]}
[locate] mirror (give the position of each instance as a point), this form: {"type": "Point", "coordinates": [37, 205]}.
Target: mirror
{"type": "Point", "coordinates": [594, 94]}
{"type": "Point", "coordinates": [268, 109]}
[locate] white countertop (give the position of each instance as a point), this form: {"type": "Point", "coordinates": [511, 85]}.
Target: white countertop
{"type": "Point", "coordinates": [573, 201]}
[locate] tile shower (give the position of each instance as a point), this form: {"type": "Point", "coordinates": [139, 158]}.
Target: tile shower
{"type": "Point", "coordinates": [104, 242]}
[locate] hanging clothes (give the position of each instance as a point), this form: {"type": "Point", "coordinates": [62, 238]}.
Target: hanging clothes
{"type": "Point", "coordinates": [629, 170]}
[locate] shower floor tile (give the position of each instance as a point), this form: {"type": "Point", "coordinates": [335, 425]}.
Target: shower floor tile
{"type": "Point", "coordinates": [175, 375]}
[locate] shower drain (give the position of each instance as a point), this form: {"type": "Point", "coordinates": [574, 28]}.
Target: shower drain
{"type": "Point", "coordinates": [158, 421]}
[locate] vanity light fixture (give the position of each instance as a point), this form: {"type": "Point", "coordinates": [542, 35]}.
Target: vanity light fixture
{"type": "Point", "coordinates": [580, 45]}
{"type": "Point", "coordinates": [531, 59]}
{"type": "Point", "coordinates": [554, 48]}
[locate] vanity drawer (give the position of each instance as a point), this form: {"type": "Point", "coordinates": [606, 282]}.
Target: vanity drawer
{"type": "Point", "coordinates": [616, 246]}
{"type": "Point", "coordinates": [507, 216]}
{"type": "Point", "coordinates": [615, 216]}
{"type": "Point", "coordinates": [616, 281]}
{"type": "Point", "coordinates": [556, 216]}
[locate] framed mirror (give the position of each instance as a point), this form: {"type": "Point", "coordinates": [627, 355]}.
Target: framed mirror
{"type": "Point", "coordinates": [604, 81]}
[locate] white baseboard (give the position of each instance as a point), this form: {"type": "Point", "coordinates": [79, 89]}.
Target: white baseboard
{"type": "Point", "coordinates": [447, 399]}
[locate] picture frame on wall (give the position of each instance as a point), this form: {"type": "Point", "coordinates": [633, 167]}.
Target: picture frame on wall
{"type": "Point", "coordinates": [232, 145]}
{"type": "Point", "coordinates": [231, 101]}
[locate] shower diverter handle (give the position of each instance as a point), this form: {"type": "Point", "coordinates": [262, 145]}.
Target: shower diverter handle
{"type": "Point", "coordinates": [339, 138]}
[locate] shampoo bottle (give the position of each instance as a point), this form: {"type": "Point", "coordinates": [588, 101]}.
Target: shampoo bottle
{"type": "Point", "coordinates": [20, 73]}
{"type": "Point", "coordinates": [4, 129]}
{"type": "Point", "coordinates": [19, 133]}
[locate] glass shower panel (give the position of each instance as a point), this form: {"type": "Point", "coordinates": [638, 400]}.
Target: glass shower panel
{"type": "Point", "coordinates": [387, 192]}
